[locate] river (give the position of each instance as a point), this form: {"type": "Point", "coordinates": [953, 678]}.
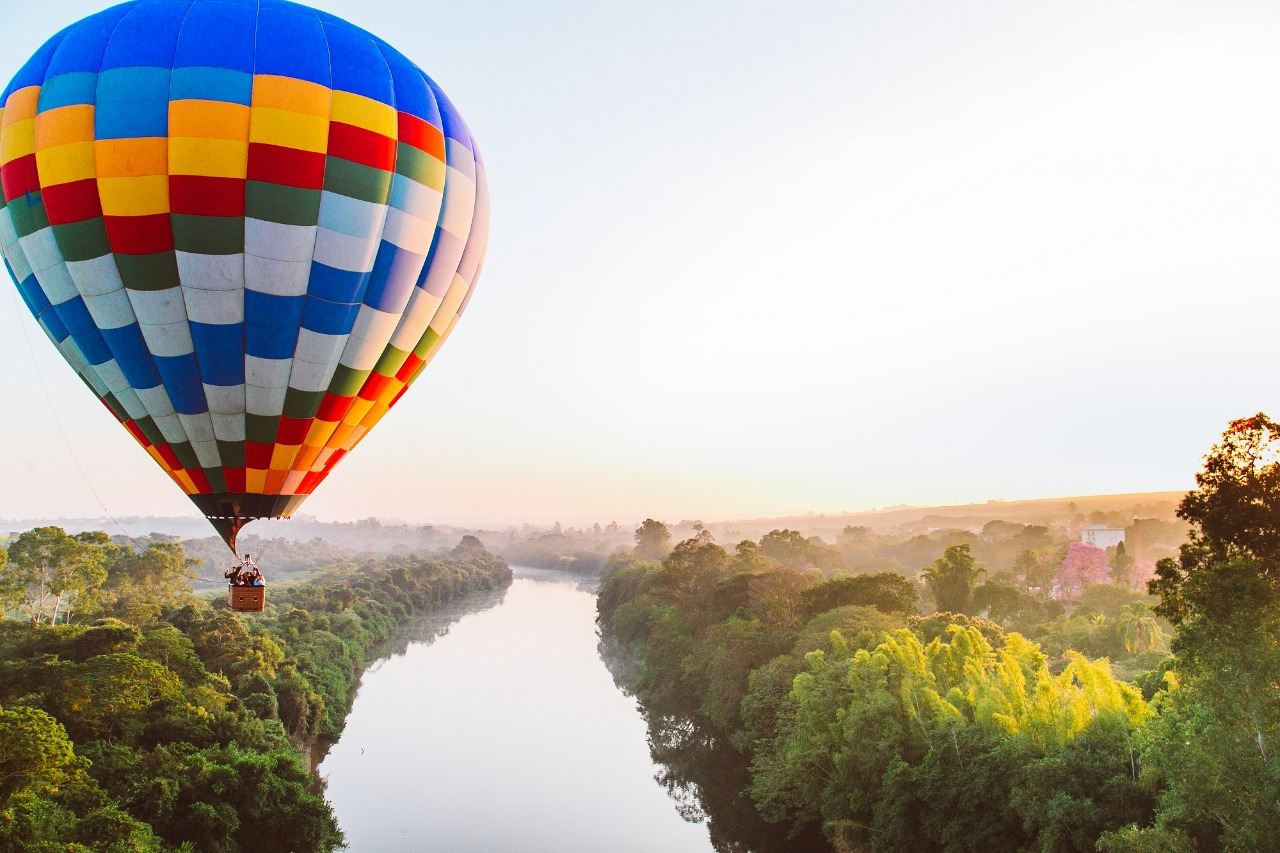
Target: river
{"type": "Point", "coordinates": [497, 727]}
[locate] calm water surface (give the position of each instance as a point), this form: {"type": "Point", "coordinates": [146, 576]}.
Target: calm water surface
{"type": "Point", "coordinates": [499, 729]}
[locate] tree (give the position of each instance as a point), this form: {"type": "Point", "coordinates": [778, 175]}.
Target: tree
{"type": "Point", "coordinates": [1139, 629]}
{"type": "Point", "coordinates": [141, 582]}
{"type": "Point", "coordinates": [1234, 514]}
{"type": "Point", "coordinates": [653, 540]}
{"type": "Point", "coordinates": [1036, 569]}
{"type": "Point", "coordinates": [1122, 566]}
{"type": "Point", "coordinates": [48, 571]}
{"type": "Point", "coordinates": [787, 548]}
{"type": "Point", "coordinates": [1083, 564]}
{"type": "Point", "coordinates": [952, 579]}
{"type": "Point", "coordinates": [888, 592]}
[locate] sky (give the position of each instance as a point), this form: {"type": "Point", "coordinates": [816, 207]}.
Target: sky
{"type": "Point", "coordinates": [753, 259]}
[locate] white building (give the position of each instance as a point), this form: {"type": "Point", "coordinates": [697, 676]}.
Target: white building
{"type": "Point", "coordinates": [1101, 536]}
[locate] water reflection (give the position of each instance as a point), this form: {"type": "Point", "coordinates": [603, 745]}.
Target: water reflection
{"type": "Point", "coordinates": [494, 727]}
{"type": "Point", "coordinates": [704, 776]}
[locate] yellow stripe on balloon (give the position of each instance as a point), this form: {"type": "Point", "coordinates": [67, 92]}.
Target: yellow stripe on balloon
{"type": "Point", "coordinates": [184, 480]}
{"type": "Point", "coordinates": [367, 113]}
{"type": "Point", "coordinates": [213, 158]}
{"type": "Point", "coordinates": [282, 456]}
{"type": "Point", "coordinates": [18, 140]}
{"type": "Point", "coordinates": [255, 480]}
{"type": "Point", "coordinates": [63, 164]}
{"type": "Point", "coordinates": [134, 196]}
{"type": "Point", "coordinates": [289, 129]}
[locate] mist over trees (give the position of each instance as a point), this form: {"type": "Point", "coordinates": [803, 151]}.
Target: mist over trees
{"type": "Point", "coordinates": [1019, 689]}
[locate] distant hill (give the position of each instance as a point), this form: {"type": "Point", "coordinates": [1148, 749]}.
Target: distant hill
{"type": "Point", "coordinates": [1067, 511]}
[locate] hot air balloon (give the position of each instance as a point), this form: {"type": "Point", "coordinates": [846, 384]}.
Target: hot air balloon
{"type": "Point", "coordinates": [247, 225]}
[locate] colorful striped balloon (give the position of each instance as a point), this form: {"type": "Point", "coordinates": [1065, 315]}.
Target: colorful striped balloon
{"type": "Point", "coordinates": [247, 224]}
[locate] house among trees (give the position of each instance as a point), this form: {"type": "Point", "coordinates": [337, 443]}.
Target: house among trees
{"type": "Point", "coordinates": [1101, 536]}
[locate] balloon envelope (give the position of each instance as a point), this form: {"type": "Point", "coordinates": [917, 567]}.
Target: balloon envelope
{"type": "Point", "coordinates": [247, 224]}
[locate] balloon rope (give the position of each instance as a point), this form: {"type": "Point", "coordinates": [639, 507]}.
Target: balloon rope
{"type": "Point", "coordinates": [26, 334]}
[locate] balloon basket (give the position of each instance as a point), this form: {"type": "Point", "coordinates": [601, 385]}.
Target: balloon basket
{"type": "Point", "coordinates": [249, 599]}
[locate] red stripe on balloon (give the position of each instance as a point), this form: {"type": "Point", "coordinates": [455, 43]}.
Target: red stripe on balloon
{"type": "Point", "coordinates": [373, 386]}
{"type": "Point", "coordinates": [289, 167]}
{"type": "Point", "coordinates": [19, 177]}
{"type": "Point", "coordinates": [169, 457]}
{"type": "Point", "coordinates": [202, 482]}
{"type": "Point", "coordinates": [362, 146]}
{"type": "Point", "coordinates": [234, 478]}
{"type": "Point", "coordinates": [136, 432]}
{"type": "Point", "coordinates": [309, 482]}
{"type": "Point", "coordinates": [73, 202]}
{"type": "Point", "coordinates": [292, 430]}
{"type": "Point", "coordinates": [257, 455]}
{"type": "Point", "coordinates": [333, 407]}
{"type": "Point", "coordinates": [204, 196]}
{"type": "Point", "coordinates": [412, 363]}
{"type": "Point", "coordinates": [421, 135]}
{"type": "Point", "coordinates": [396, 398]}
{"type": "Point", "coordinates": [139, 235]}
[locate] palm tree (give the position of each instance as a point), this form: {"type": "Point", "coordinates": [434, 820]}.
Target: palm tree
{"type": "Point", "coordinates": [1139, 629]}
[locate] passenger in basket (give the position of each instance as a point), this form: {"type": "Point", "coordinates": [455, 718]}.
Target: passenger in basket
{"type": "Point", "coordinates": [234, 575]}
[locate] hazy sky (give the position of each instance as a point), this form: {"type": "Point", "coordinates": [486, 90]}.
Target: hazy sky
{"type": "Point", "coordinates": [753, 258]}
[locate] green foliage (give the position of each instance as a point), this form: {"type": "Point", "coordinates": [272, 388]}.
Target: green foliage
{"type": "Point", "coordinates": [951, 580]}
{"type": "Point", "coordinates": [887, 592]}
{"type": "Point", "coordinates": [653, 540]}
{"type": "Point", "coordinates": [48, 574]}
{"type": "Point", "coordinates": [181, 728]}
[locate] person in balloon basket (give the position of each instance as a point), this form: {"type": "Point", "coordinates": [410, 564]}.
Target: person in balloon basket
{"type": "Point", "coordinates": [251, 575]}
{"type": "Point", "coordinates": [235, 575]}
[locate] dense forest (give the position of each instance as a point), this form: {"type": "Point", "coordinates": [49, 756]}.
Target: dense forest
{"type": "Point", "coordinates": [137, 717]}
{"type": "Point", "coordinates": [1039, 705]}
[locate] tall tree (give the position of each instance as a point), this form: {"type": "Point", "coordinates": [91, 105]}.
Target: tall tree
{"type": "Point", "coordinates": [653, 540]}
{"type": "Point", "coordinates": [952, 579]}
{"type": "Point", "coordinates": [48, 571]}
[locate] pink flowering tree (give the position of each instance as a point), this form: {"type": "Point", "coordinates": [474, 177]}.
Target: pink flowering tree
{"type": "Point", "coordinates": [1083, 565]}
{"type": "Point", "coordinates": [1142, 572]}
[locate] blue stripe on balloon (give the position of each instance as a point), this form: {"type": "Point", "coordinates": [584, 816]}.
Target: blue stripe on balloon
{"type": "Point", "coordinates": [380, 294]}
{"type": "Point", "coordinates": [30, 291]}
{"type": "Point", "coordinates": [291, 43]}
{"type": "Point", "coordinates": [129, 119]}
{"type": "Point", "coordinates": [211, 84]}
{"type": "Point", "coordinates": [357, 63]}
{"type": "Point", "coordinates": [273, 330]}
{"type": "Point", "coordinates": [53, 325]}
{"type": "Point", "coordinates": [65, 90]}
{"type": "Point", "coordinates": [85, 44]}
{"type": "Point", "coordinates": [217, 35]}
{"type": "Point", "coordinates": [450, 120]}
{"type": "Point", "coordinates": [130, 350]}
{"type": "Point", "coordinates": [329, 318]}
{"type": "Point", "coordinates": [146, 35]}
{"type": "Point", "coordinates": [182, 381]}
{"type": "Point", "coordinates": [79, 322]}
{"type": "Point", "coordinates": [32, 73]}
{"type": "Point", "coordinates": [412, 95]}
{"type": "Point", "coordinates": [141, 83]}
{"type": "Point", "coordinates": [334, 285]}
{"type": "Point", "coordinates": [132, 102]}
{"type": "Point", "coordinates": [219, 348]}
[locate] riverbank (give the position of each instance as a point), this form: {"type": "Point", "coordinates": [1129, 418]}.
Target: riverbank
{"type": "Point", "coordinates": [503, 709]}
{"type": "Point", "coordinates": [171, 722]}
